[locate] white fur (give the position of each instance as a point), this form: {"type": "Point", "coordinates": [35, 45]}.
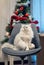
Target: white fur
{"type": "Point", "coordinates": [8, 45]}
{"type": "Point", "coordinates": [23, 39]}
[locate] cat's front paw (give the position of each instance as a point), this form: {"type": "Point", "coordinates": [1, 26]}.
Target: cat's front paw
{"type": "Point", "coordinates": [31, 46]}
{"type": "Point", "coordinates": [27, 48]}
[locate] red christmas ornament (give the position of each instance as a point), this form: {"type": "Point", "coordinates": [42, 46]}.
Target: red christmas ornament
{"type": "Point", "coordinates": [37, 27]}
{"type": "Point", "coordinates": [20, 18]}
{"type": "Point", "coordinates": [11, 25]}
{"type": "Point", "coordinates": [16, 12]}
{"type": "Point", "coordinates": [36, 22]}
{"type": "Point", "coordinates": [12, 18]}
{"type": "Point", "coordinates": [26, 14]}
{"type": "Point", "coordinates": [17, 18]}
{"type": "Point", "coordinates": [21, 8]}
{"type": "Point", "coordinates": [23, 18]}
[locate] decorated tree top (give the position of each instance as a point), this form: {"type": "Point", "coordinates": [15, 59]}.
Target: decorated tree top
{"type": "Point", "coordinates": [21, 12]}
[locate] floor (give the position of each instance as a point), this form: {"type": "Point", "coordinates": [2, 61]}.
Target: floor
{"type": "Point", "coordinates": [19, 63]}
{"type": "Point", "coordinates": [16, 63]}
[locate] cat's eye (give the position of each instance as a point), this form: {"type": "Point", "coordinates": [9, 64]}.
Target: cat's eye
{"type": "Point", "coordinates": [26, 27]}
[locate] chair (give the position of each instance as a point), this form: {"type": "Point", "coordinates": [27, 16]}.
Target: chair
{"type": "Point", "coordinates": [22, 54]}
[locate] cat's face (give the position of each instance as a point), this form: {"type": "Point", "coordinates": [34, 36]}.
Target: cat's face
{"type": "Point", "coordinates": [26, 28]}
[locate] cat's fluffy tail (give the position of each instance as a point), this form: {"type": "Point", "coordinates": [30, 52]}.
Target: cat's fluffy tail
{"type": "Point", "coordinates": [8, 45]}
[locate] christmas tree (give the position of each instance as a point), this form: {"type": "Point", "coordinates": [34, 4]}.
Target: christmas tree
{"type": "Point", "coordinates": [22, 14]}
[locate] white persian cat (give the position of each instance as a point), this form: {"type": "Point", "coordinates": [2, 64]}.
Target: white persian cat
{"type": "Point", "coordinates": [23, 39]}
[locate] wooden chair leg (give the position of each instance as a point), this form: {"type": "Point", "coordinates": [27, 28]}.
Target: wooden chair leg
{"type": "Point", "coordinates": [11, 60]}
{"type": "Point", "coordinates": [5, 58]}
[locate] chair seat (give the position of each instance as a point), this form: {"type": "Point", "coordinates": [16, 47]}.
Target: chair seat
{"type": "Point", "coordinates": [12, 52]}
{"type": "Point", "coordinates": [20, 53]}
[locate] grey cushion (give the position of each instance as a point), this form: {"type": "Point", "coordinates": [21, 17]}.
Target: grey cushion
{"type": "Point", "coordinates": [15, 31]}
{"type": "Point", "coordinates": [35, 40]}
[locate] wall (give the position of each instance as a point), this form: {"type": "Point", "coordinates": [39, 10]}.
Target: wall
{"type": "Point", "coordinates": [6, 10]}
{"type": "Point", "coordinates": [3, 17]}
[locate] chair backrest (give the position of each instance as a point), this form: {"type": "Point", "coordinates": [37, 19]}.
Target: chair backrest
{"type": "Point", "coordinates": [36, 39]}
{"type": "Point", "coordinates": [16, 30]}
